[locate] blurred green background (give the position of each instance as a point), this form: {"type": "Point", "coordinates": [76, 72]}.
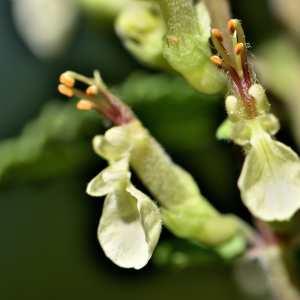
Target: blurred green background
{"type": "Point", "coordinates": [48, 226]}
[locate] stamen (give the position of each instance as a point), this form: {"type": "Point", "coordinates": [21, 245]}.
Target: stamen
{"type": "Point", "coordinates": [85, 105]}
{"type": "Point", "coordinates": [67, 91]}
{"type": "Point", "coordinates": [239, 48]}
{"type": "Point", "coordinates": [92, 91]}
{"type": "Point", "coordinates": [218, 61]}
{"type": "Point", "coordinates": [217, 39]}
{"type": "Point", "coordinates": [97, 96]}
{"type": "Point", "coordinates": [240, 58]}
{"type": "Point", "coordinates": [240, 33]}
{"type": "Point", "coordinates": [231, 25]}
{"type": "Point", "coordinates": [67, 79]}
{"type": "Point", "coordinates": [216, 33]}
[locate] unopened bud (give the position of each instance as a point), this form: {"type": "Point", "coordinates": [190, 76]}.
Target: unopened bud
{"type": "Point", "coordinates": [258, 93]}
{"type": "Point", "coordinates": [232, 107]}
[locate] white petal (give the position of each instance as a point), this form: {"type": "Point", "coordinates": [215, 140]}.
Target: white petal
{"type": "Point", "coordinates": [115, 144]}
{"type": "Point", "coordinates": [270, 180]}
{"type": "Point", "coordinates": [110, 179]}
{"type": "Point", "coordinates": [129, 228]}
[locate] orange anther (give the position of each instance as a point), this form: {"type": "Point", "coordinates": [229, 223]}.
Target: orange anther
{"type": "Point", "coordinates": [85, 105]}
{"type": "Point", "coordinates": [231, 25]}
{"type": "Point", "coordinates": [217, 34]}
{"type": "Point", "coordinates": [239, 48]}
{"type": "Point", "coordinates": [216, 60]}
{"type": "Point", "coordinates": [92, 90]}
{"type": "Point", "coordinates": [67, 80]}
{"type": "Point", "coordinates": [65, 90]}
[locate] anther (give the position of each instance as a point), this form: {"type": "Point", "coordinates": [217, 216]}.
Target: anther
{"type": "Point", "coordinates": [218, 61]}
{"type": "Point", "coordinates": [239, 48]}
{"type": "Point", "coordinates": [232, 25]}
{"type": "Point", "coordinates": [65, 90]}
{"type": "Point", "coordinates": [92, 91]}
{"type": "Point", "coordinates": [85, 105]}
{"type": "Point", "coordinates": [217, 34]}
{"type": "Point", "coordinates": [67, 80]}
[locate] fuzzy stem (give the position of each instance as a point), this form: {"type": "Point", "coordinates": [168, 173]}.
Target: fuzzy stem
{"type": "Point", "coordinates": [185, 47]}
{"type": "Point", "coordinates": [186, 212]}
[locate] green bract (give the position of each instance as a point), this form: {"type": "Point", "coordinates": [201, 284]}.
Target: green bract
{"type": "Point", "coordinates": [270, 179]}
{"type": "Point", "coordinates": [186, 46]}
{"type": "Point", "coordinates": [130, 224]}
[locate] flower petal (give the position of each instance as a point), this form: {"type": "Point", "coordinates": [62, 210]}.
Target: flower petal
{"type": "Point", "coordinates": [270, 179]}
{"type": "Point", "coordinates": [129, 228]}
{"type": "Point", "coordinates": [114, 144]}
{"type": "Point", "coordinates": [111, 178]}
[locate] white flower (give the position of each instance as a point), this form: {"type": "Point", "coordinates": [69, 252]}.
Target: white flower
{"type": "Point", "coordinates": [270, 179]}
{"type": "Point", "coordinates": [130, 224]}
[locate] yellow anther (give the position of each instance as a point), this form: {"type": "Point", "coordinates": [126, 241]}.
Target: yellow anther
{"type": "Point", "coordinates": [216, 33]}
{"type": "Point", "coordinates": [216, 60]}
{"type": "Point", "coordinates": [239, 48]}
{"type": "Point", "coordinates": [92, 90]}
{"type": "Point", "coordinates": [85, 105]}
{"type": "Point", "coordinates": [67, 79]}
{"type": "Point", "coordinates": [65, 90]}
{"type": "Point", "coordinates": [232, 25]}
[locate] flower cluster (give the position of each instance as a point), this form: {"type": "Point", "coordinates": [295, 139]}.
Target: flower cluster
{"type": "Point", "coordinates": [131, 222]}
{"type": "Point", "coordinates": [270, 179]}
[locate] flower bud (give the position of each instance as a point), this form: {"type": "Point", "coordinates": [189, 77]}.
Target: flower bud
{"type": "Point", "coordinates": [186, 46]}
{"type": "Point", "coordinates": [261, 100]}
{"type": "Point", "coordinates": [141, 28]}
{"type": "Point", "coordinates": [232, 107]}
